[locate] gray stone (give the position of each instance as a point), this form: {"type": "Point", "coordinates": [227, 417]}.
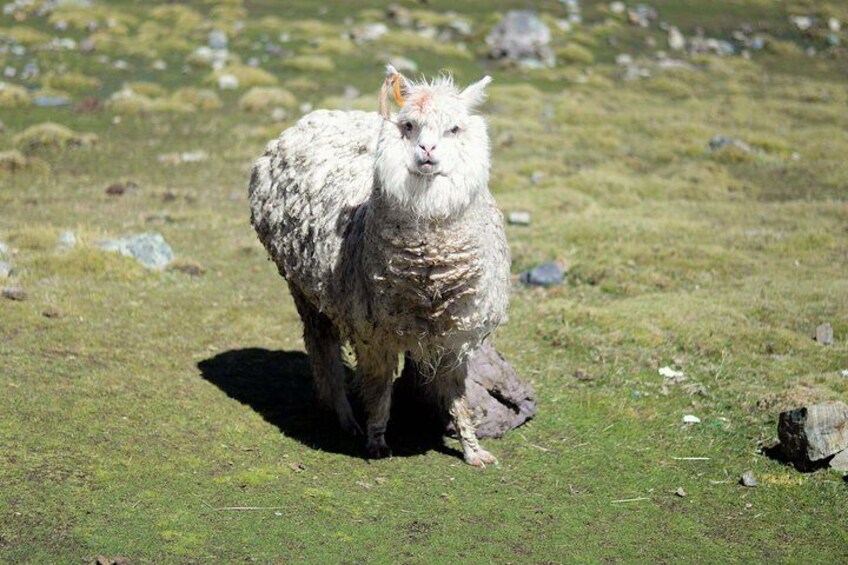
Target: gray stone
{"type": "Point", "coordinates": [519, 218]}
{"type": "Point", "coordinates": [149, 249]}
{"type": "Point", "coordinates": [548, 274]}
{"type": "Point", "coordinates": [68, 239]}
{"type": "Point", "coordinates": [14, 293]}
{"type": "Point", "coordinates": [217, 39]}
{"type": "Point", "coordinates": [840, 461]}
{"type": "Point", "coordinates": [498, 398]}
{"type": "Point", "coordinates": [676, 41]}
{"type": "Point", "coordinates": [50, 101]}
{"type": "Point", "coordinates": [748, 479]}
{"type": "Point", "coordinates": [824, 334]}
{"type": "Point", "coordinates": [4, 249]}
{"type": "Point", "coordinates": [811, 433]}
{"type": "Point", "coordinates": [522, 37]}
{"type": "Point", "coordinates": [721, 141]}
{"type": "Point", "coordinates": [5, 269]}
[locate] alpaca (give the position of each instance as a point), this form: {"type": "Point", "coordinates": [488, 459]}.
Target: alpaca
{"type": "Point", "coordinates": [386, 232]}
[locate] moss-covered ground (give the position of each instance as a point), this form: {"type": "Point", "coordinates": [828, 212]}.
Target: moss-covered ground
{"type": "Point", "coordinates": [167, 416]}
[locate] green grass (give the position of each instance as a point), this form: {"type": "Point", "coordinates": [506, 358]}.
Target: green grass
{"type": "Point", "coordinates": [136, 422]}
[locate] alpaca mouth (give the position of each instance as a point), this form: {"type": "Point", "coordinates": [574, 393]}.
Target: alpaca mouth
{"type": "Point", "coordinates": [427, 168]}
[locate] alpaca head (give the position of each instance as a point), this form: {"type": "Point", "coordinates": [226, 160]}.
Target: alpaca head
{"type": "Point", "coordinates": [433, 154]}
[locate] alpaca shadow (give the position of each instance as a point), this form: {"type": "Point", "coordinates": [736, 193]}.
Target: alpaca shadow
{"type": "Point", "coordinates": [278, 386]}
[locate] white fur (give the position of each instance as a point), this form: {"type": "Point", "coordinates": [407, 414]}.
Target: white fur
{"type": "Point", "coordinates": [389, 239]}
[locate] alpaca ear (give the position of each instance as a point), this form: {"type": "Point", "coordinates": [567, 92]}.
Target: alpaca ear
{"type": "Point", "coordinates": [475, 93]}
{"type": "Point", "coordinates": [397, 85]}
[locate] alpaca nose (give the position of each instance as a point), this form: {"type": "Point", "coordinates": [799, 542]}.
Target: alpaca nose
{"type": "Point", "coordinates": [427, 149]}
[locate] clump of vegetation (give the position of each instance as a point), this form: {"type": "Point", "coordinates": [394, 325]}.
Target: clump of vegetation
{"type": "Point", "coordinates": [13, 96]}
{"type": "Point", "coordinates": [310, 63]}
{"type": "Point", "coordinates": [14, 161]}
{"type": "Point", "coordinates": [247, 76]}
{"type": "Point", "coordinates": [265, 98]}
{"type": "Point", "coordinates": [73, 82]}
{"type": "Point", "coordinates": [24, 35]}
{"type": "Point", "coordinates": [200, 98]}
{"type": "Point", "coordinates": [129, 102]}
{"type": "Point", "coordinates": [575, 53]}
{"type": "Point", "coordinates": [50, 135]}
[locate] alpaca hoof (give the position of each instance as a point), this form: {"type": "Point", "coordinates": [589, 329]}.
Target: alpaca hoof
{"type": "Point", "coordinates": [378, 450]}
{"type": "Point", "coordinates": [481, 458]}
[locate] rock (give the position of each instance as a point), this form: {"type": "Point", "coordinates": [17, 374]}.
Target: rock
{"type": "Point", "coordinates": [228, 82]}
{"type": "Point", "coordinates": [519, 218]}
{"type": "Point", "coordinates": [522, 37]}
{"type": "Point", "coordinates": [811, 433]}
{"type": "Point", "coordinates": [368, 32]}
{"type": "Point", "coordinates": [4, 249]}
{"type": "Point", "coordinates": [497, 397]}
{"type": "Point", "coordinates": [642, 15]}
{"type": "Point", "coordinates": [670, 373]}
{"type": "Point", "coordinates": [840, 461]}
{"type": "Point", "coordinates": [834, 25]}
{"type": "Point", "coordinates": [748, 479]}
{"type": "Point", "coordinates": [617, 7]}
{"type": "Point", "coordinates": [803, 23]}
{"type": "Point", "coordinates": [548, 274]}
{"type": "Point", "coordinates": [149, 249]}
{"type": "Point", "coordinates": [5, 269]}
{"type": "Point", "coordinates": [680, 492]}
{"type": "Point", "coordinates": [50, 101]}
{"type": "Point", "coordinates": [824, 334]}
{"type": "Point", "coordinates": [51, 312]}
{"type": "Point", "coordinates": [68, 239]}
{"type": "Point", "coordinates": [676, 41]}
{"type": "Point", "coordinates": [691, 419]}
{"type": "Point", "coordinates": [14, 293]}
{"type": "Point", "coordinates": [217, 39]}
{"type": "Point", "coordinates": [720, 142]}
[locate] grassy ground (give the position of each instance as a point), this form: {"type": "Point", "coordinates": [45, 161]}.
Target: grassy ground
{"type": "Point", "coordinates": [157, 404]}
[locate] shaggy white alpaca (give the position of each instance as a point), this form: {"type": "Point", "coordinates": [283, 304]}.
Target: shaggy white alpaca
{"type": "Point", "coordinates": [384, 228]}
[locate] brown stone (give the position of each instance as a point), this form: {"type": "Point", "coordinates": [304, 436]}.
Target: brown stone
{"type": "Point", "coordinates": [498, 398]}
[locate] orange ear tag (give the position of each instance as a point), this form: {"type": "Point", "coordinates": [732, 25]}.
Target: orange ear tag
{"type": "Point", "coordinates": [399, 99]}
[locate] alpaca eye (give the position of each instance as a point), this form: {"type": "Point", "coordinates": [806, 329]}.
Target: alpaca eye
{"type": "Point", "coordinates": [454, 130]}
{"type": "Point", "coordinates": [407, 127]}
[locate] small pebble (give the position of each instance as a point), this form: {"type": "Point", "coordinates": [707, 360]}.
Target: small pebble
{"type": "Point", "coordinates": [748, 479]}
{"type": "Point", "coordinates": [549, 274]}
{"type": "Point", "coordinates": [519, 218]}
{"type": "Point", "coordinates": [691, 419]}
{"type": "Point", "coordinates": [680, 492]}
{"type": "Point", "coordinates": [5, 269]}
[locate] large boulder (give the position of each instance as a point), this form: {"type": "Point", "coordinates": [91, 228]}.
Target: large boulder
{"type": "Point", "coordinates": [523, 38]}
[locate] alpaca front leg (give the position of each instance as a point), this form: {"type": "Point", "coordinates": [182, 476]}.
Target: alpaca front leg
{"type": "Point", "coordinates": [378, 371]}
{"type": "Point", "coordinates": [453, 395]}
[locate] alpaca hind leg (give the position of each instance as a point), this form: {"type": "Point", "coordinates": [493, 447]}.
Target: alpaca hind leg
{"type": "Point", "coordinates": [324, 348]}
{"type": "Point", "coordinates": [377, 371]}
{"type": "Point", "coordinates": [451, 390]}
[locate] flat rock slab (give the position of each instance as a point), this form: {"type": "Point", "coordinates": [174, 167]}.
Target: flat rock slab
{"type": "Point", "coordinates": [499, 399]}
{"type": "Point", "coordinates": [149, 249]}
{"type": "Point", "coordinates": [812, 433]}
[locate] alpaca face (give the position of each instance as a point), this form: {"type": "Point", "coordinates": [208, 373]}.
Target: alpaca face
{"type": "Point", "coordinates": [433, 156]}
